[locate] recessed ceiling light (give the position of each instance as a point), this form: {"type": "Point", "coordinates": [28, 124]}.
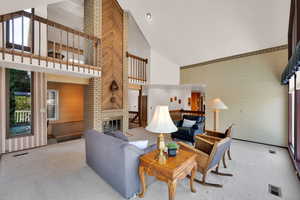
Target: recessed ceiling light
{"type": "Point", "coordinates": [148, 16]}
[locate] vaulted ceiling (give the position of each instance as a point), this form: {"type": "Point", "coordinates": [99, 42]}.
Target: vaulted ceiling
{"type": "Point", "coordinates": [193, 31]}
{"type": "Point", "coordinates": [8, 6]}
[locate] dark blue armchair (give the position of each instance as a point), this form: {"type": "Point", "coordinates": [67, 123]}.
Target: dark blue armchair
{"type": "Point", "coordinates": [188, 134]}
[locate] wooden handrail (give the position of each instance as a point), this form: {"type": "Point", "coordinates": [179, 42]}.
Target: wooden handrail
{"type": "Point", "coordinates": [137, 57]}
{"type": "Point", "coordinates": [17, 14]}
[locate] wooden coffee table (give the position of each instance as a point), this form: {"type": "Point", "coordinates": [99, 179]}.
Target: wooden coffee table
{"type": "Point", "coordinates": [176, 168]}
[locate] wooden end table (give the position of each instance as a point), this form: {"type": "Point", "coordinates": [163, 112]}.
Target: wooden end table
{"type": "Point", "coordinates": [176, 168]}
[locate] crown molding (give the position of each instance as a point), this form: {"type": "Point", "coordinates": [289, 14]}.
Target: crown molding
{"type": "Point", "coordinates": [252, 53]}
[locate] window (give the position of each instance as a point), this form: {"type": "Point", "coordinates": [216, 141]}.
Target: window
{"type": "Point", "coordinates": [19, 102]}
{"type": "Point", "coordinates": [52, 105]}
{"type": "Point", "coordinates": [14, 36]}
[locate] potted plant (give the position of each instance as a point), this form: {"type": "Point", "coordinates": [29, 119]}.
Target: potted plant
{"type": "Point", "coordinates": [172, 149]}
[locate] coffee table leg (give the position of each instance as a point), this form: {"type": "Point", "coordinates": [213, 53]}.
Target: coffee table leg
{"type": "Point", "coordinates": [193, 175]}
{"type": "Point", "coordinates": [142, 179]}
{"type": "Point", "coordinates": [172, 189]}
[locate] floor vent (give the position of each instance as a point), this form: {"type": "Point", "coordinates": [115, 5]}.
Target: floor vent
{"type": "Point", "coordinates": [274, 190]}
{"type": "Point", "coordinates": [272, 151]}
{"type": "Point", "coordinates": [20, 154]}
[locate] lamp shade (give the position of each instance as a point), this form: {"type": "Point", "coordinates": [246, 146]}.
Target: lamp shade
{"type": "Point", "coordinates": [216, 104]}
{"type": "Point", "coordinates": [161, 121]}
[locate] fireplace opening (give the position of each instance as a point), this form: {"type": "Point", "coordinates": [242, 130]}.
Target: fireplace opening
{"type": "Point", "coordinates": [112, 125]}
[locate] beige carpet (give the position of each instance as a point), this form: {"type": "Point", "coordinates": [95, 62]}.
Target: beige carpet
{"type": "Point", "coordinates": [59, 172]}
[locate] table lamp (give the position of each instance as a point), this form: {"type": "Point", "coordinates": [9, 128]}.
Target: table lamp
{"type": "Point", "coordinates": [216, 105]}
{"type": "Point", "coordinates": [161, 123]}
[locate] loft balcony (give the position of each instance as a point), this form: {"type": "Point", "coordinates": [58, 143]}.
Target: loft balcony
{"type": "Point", "coordinates": [34, 43]}
{"type": "Point", "coordinates": [137, 69]}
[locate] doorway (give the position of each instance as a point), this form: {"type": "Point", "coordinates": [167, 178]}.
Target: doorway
{"type": "Point", "coordinates": [65, 111]}
{"type": "Point", "coordinates": [137, 108]}
{"type": "Point", "coordinates": [197, 101]}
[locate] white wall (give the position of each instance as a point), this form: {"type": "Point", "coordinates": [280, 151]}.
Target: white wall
{"type": "Point", "coordinates": [133, 100]}
{"type": "Point", "coordinates": [137, 43]}
{"type": "Point", "coordinates": [162, 95]}
{"type": "Point", "coordinates": [250, 87]}
{"type": "Point", "coordinates": [163, 71]}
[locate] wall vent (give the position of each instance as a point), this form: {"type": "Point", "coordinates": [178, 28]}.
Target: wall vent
{"type": "Point", "coordinates": [274, 190]}
{"type": "Point", "coordinates": [20, 154]}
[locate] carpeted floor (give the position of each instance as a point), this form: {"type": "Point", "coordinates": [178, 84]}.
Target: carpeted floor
{"type": "Point", "coordinates": [59, 172]}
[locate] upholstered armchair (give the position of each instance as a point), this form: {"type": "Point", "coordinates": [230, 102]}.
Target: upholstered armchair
{"type": "Point", "coordinates": [189, 133]}
{"type": "Point", "coordinates": [209, 155]}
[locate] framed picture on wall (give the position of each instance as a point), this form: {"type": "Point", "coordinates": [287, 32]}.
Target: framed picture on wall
{"type": "Point", "coordinates": [171, 99]}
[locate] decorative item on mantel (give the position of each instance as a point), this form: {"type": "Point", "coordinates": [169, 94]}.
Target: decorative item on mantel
{"type": "Point", "coordinates": [113, 87]}
{"type": "Point", "coordinates": [216, 105]}
{"type": "Point", "coordinates": [179, 101]}
{"type": "Point", "coordinates": [171, 99]}
{"type": "Point", "coordinates": [161, 123]}
{"type": "Point", "coordinates": [175, 98]}
{"type": "Point", "coordinates": [189, 101]}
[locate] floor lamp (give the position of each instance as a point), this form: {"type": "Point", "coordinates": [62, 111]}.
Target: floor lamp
{"type": "Point", "coordinates": [216, 105]}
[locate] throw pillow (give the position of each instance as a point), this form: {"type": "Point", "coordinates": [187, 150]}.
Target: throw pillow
{"type": "Point", "coordinates": [142, 144]}
{"type": "Point", "coordinates": [188, 123]}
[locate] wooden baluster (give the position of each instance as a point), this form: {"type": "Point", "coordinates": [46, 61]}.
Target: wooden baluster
{"type": "Point", "coordinates": [136, 70]}
{"type": "Point", "coordinates": [3, 47]}
{"type": "Point", "coordinates": [13, 39]}
{"type": "Point", "coordinates": [96, 55]}
{"type": "Point", "coordinates": [67, 50]}
{"type": "Point", "coordinates": [131, 69]}
{"type": "Point", "coordinates": [32, 39]}
{"type": "Point", "coordinates": [54, 48]}
{"type": "Point", "coordinates": [47, 36]}
{"type": "Point", "coordinates": [73, 54]}
{"type": "Point", "coordinates": [144, 69]}
{"type": "Point", "coordinates": [40, 43]}
{"type": "Point", "coordinates": [139, 70]}
{"type": "Point", "coordinates": [60, 47]}
{"type": "Point", "coordinates": [78, 37]}
{"type": "Point", "coordinates": [22, 58]}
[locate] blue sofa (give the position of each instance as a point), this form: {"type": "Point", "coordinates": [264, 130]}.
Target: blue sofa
{"type": "Point", "coordinates": [116, 161]}
{"type": "Point", "coordinates": [188, 134]}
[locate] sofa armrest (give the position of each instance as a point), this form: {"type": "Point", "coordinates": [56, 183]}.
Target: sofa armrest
{"type": "Point", "coordinates": [215, 133]}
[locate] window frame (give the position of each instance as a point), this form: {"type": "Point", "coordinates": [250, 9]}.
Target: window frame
{"type": "Point", "coordinates": [8, 133]}
{"type": "Point", "coordinates": [56, 105]}
{"type": "Point", "coordinates": [10, 45]}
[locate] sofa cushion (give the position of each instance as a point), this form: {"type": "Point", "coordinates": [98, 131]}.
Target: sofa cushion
{"type": "Point", "coordinates": [188, 123]}
{"type": "Point", "coordinates": [198, 119]}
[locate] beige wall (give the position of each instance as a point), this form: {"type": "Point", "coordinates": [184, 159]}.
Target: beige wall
{"type": "Point", "coordinates": [70, 101]}
{"type": "Point", "coordinates": [250, 87]}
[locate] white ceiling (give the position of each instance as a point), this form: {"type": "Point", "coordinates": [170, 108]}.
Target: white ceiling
{"type": "Point", "coordinates": [193, 31]}
{"type": "Point", "coordinates": [8, 6]}
{"type": "Point", "coordinates": [68, 12]}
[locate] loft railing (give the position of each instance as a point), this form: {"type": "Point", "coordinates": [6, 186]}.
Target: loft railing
{"type": "Point", "coordinates": [30, 38]}
{"type": "Point", "coordinates": [137, 71]}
